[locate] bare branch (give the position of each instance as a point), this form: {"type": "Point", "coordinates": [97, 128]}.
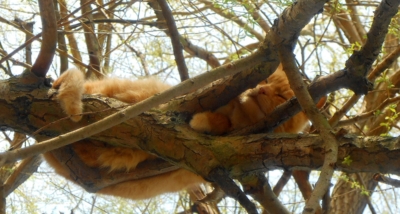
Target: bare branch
{"type": "Point", "coordinates": [366, 197]}
{"type": "Point", "coordinates": [199, 52]}
{"type": "Point", "coordinates": [342, 19]}
{"type": "Point", "coordinates": [319, 121]}
{"type": "Point", "coordinates": [360, 62]}
{"type": "Point", "coordinates": [62, 45]}
{"type": "Point", "coordinates": [255, 13]}
{"type": "Point", "coordinates": [21, 173]}
{"type": "Point", "coordinates": [230, 16]}
{"type": "Point", "coordinates": [382, 66]}
{"type": "Point", "coordinates": [385, 179]}
{"type": "Point", "coordinates": [356, 20]}
{"type": "Point", "coordinates": [91, 41]}
{"type": "Point", "coordinates": [20, 48]}
{"type": "Point", "coordinates": [282, 182]}
{"type": "Point", "coordinates": [221, 177]}
{"type": "Point", "coordinates": [367, 115]}
{"type": "Point", "coordinates": [258, 187]}
{"type": "Point", "coordinates": [48, 47]}
{"type": "Point", "coordinates": [176, 44]}
{"type": "Point", "coordinates": [71, 39]}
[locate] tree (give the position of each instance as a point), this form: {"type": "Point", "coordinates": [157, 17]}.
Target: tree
{"type": "Point", "coordinates": [188, 38]}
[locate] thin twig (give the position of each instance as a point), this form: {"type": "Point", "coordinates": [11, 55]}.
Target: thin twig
{"type": "Point", "coordinates": [367, 198]}
{"type": "Point", "coordinates": [369, 114]}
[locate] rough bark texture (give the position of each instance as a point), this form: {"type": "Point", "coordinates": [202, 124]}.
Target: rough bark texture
{"type": "Point", "coordinates": [27, 108]}
{"type": "Point", "coordinates": [47, 50]}
{"type": "Point", "coordinates": [349, 200]}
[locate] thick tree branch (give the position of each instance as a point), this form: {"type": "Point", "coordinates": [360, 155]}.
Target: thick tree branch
{"type": "Point", "coordinates": [47, 49]}
{"type": "Point", "coordinates": [374, 154]}
{"type": "Point", "coordinates": [223, 91]}
{"type": "Point", "coordinates": [258, 187]}
{"type": "Point", "coordinates": [382, 66]}
{"type": "Point", "coordinates": [221, 177]}
{"type": "Point", "coordinates": [317, 89]}
{"type": "Point", "coordinates": [17, 101]}
{"type": "Point", "coordinates": [112, 120]}
{"type": "Point", "coordinates": [293, 19]}
{"type": "Point", "coordinates": [156, 132]}
{"type": "Point", "coordinates": [360, 62]}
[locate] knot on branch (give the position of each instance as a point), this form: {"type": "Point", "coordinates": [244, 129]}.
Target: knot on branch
{"type": "Point", "coordinates": [28, 81]}
{"type": "Point", "coordinates": [356, 81]}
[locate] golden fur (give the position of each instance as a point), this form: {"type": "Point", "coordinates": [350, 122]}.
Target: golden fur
{"type": "Point", "coordinates": [250, 107]}
{"type": "Point", "coordinates": [71, 85]}
{"type": "Point", "coordinates": [247, 109]}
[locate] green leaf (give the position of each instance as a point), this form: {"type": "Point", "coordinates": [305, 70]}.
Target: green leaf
{"type": "Point", "coordinates": [347, 160]}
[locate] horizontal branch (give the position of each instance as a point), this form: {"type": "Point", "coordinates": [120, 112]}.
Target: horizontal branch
{"type": "Point", "coordinates": [101, 124]}
{"type": "Point", "coordinates": [166, 134]}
